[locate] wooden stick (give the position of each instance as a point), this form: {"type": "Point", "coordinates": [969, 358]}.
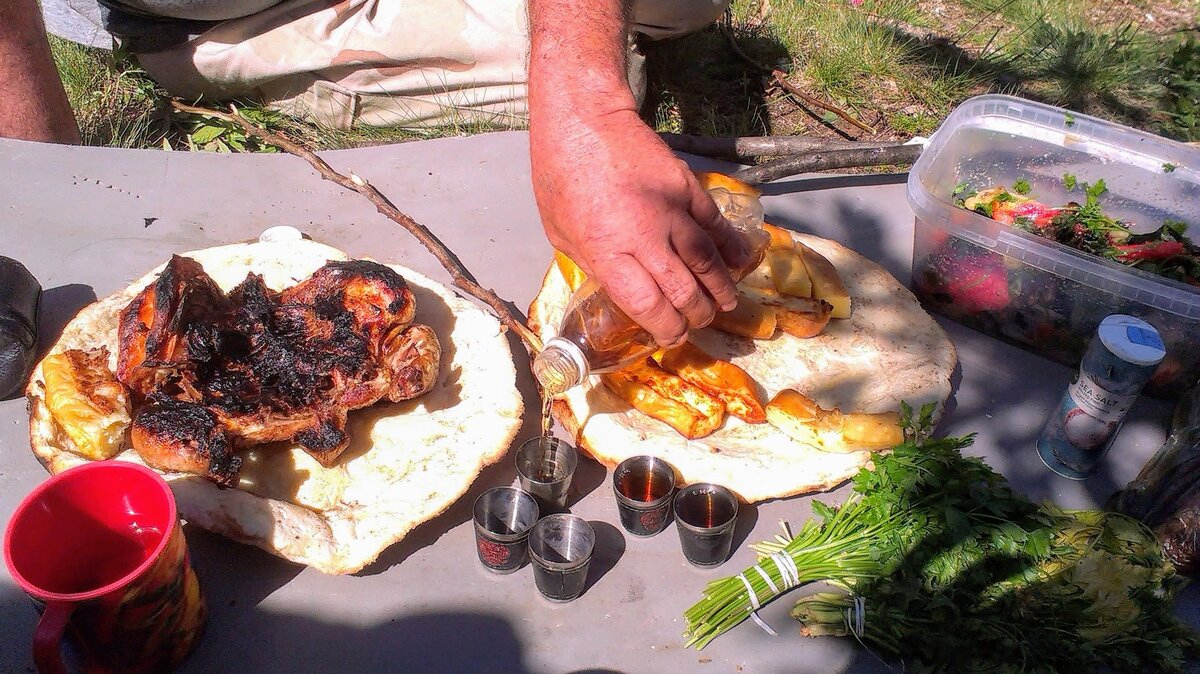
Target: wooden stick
{"type": "Point", "coordinates": [751, 146]}
{"type": "Point", "coordinates": [830, 159]}
{"type": "Point", "coordinates": [781, 80]}
{"type": "Point", "coordinates": [737, 49]}
{"type": "Point", "coordinates": [509, 316]}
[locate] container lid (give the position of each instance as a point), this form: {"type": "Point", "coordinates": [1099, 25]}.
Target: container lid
{"type": "Point", "coordinates": [1132, 339]}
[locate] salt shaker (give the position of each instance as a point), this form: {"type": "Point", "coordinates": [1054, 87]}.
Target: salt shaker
{"type": "Point", "coordinates": [1120, 359]}
{"type": "Point", "coordinates": [20, 297]}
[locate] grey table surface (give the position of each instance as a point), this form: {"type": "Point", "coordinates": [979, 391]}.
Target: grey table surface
{"type": "Point", "coordinates": [87, 221]}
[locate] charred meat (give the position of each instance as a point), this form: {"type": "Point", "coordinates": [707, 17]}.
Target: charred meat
{"type": "Point", "coordinates": [221, 372]}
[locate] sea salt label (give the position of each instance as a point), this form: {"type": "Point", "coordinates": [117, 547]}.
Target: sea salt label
{"type": "Point", "coordinates": [1098, 403]}
{"type": "Point", "coordinates": [1119, 361]}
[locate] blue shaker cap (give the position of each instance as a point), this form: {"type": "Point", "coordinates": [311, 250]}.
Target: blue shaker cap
{"type": "Point", "coordinates": [1132, 340]}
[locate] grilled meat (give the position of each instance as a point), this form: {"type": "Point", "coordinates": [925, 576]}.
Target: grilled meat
{"type": "Point", "coordinates": [154, 326]}
{"type": "Point", "coordinates": [268, 366]}
{"type": "Point", "coordinates": [181, 436]}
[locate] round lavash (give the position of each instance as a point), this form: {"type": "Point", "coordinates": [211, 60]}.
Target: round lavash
{"type": "Point", "coordinates": [889, 350]}
{"type": "Point", "coordinates": [407, 462]}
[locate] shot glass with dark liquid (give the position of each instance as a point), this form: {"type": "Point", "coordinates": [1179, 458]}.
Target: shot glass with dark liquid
{"type": "Point", "coordinates": [561, 547]}
{"type": "Point", "coordinates": [503, 518]}
{"type": "Point", "coordinates": [643, 486]}
{"type": "Point", "coordinates": [705, 515]}
{"type": "Point", "coordinates": [545, 467]}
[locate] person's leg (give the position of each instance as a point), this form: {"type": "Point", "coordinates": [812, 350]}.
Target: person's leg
{"type": "Point", "coordinates": [33, 105]}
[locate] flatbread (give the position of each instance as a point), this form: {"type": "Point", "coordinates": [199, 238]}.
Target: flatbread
{"type": "Point", "coordinates": [889, 350]}
{"type": "Point", "coordinates": [407, 462]}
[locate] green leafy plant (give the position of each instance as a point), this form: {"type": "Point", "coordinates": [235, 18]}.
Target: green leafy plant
{"type": "Point", "coordinates": [938, 562]}
{"type": "Point", "coordinates": [1180, 103]}
{"type": "Point", "coordinates": [217, 135]}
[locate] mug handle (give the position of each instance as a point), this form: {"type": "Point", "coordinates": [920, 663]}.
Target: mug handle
{"type": "Point", "coordinates": [47, 638]}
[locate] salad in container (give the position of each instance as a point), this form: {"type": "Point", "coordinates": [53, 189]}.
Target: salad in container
{"type": "Point", "coordinates": [1033, 223]}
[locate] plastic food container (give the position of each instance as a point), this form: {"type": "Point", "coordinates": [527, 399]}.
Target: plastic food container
{"type": "Point", "coordinates": [1037, 293]}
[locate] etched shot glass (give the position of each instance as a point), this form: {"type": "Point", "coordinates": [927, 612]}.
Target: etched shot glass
{"type": "Point", "coordinates": [545, 467]}
{"type": "Point", "coordinates": [705, 515]}
{"type": "Point", "coordinates": [561, 547]}
{"type": "Point", "coordinates": [643, 486]}
{"type": "Point", "coordinates": [503, 518]}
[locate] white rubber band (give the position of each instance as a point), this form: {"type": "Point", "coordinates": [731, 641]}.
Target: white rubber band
{"type": "Point", "coordinates": [766, 578]}
{"type": "Point", "coordinates": [754, 606]}
{"type": "Point", "coordinates": [787, 569]}
{"type": "Point", "coordinates": [856, 617]}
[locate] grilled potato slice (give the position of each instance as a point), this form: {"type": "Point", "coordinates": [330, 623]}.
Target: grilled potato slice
{"type": "Point", "coordinates": [788, 273]}
{"type": "Point", "coordinates": [86, 401]}
{"type": "Point", "coordinates": [801, 317]}
{"type": "Point", "coordinates": [709, 180]}
{"type": "Point", "coordinates": [872, 431]}
{"type": "Point", "coordinates": [728, 382]}
{"type": "Point", "coordinates": [750, 318]}
{"type": "Point", "coordinates": [570, 271]}
{"type": "Point", "coordinates": [826, 282]}
{"type": "Point", "coordinates": [657, 393]}
{"type": "Point", "coordinates": [803, 420]}
{"type": "Point", "coordinates": [780, 237]}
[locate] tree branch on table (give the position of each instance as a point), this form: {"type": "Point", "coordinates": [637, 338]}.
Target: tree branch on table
{"type": "Point", "coordinates": [509, 316]}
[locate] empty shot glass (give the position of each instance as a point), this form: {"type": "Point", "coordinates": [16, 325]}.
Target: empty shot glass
{"type": "Point", "coordinates": [503, 518]}
{"type": "Point", "coordinates": [705, 515]}
{"type": "Point", "coordinates": [561, 547]}
{"type": "Point", "coordinates": [643, 486]}
{"type": "Point", "coordinates": [545, 466]}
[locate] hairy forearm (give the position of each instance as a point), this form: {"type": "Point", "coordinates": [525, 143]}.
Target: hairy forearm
{"type": "Point", "coordinates": [33, 105]}
{"type": "Point", "coordinates": [577, 59]}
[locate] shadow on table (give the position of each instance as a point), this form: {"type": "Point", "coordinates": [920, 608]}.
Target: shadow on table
{"type": "Point", "coordinates": [59, 306]}
{"type": "Point", "coordinates": [17, 620]}
{"type": "Point", "coordinates": [440, 641]}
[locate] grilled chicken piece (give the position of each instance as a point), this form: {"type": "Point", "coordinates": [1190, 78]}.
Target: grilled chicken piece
{"type": "Point", "coordinates": [288, 366]}
{"type": "Point", "coordinates": [412, 357]}
{"type": "Point", "coordinates": [375, 295]}
{"type": "Point", "coordinates": [154, 326]}
{"type": "Point", "coordinates": [184, 437]}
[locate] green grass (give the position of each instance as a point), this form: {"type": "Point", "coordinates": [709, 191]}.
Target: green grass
{"type": "Point", "coordinates": [899, 66]}
{"type": "Point", "coordinates": [115, 103]}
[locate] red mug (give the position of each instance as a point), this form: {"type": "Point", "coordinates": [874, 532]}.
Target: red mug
{"type": "Point", "coordinates": [100, 550]}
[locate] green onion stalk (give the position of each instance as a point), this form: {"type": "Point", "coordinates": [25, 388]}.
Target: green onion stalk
{"type": "Point", "coordinates": [843, 547]}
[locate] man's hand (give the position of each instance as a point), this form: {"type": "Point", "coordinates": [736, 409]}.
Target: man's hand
{"type": "Point", "coordinates": [611, 195]}
{"type": "Point", "coordinates": [614, 198]}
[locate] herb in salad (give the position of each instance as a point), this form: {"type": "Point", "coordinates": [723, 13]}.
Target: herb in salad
{"type": "Point", "coordinates": [1167, 251]}
{"type": "Point", "coordinates": [1021, 186]}
{"type": "Point", "coordinates": [941, 564]}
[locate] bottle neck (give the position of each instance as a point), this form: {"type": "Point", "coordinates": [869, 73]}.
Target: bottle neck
{"type": "Point", "coordinates": [560, 366]}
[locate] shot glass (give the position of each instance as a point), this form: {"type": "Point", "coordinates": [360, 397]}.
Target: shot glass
{"type": "Point", "coordinates": [545, 466]}
{"type": "Point", "coordinates": [705, 515]}
{"type": "Point", "coordinates": [643, 486]}
{"type": "Point", "coordinates": [503, 518]}
{"type": "Point", "coordinates": [561, 547]}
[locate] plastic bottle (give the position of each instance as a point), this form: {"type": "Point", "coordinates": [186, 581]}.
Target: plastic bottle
{"type": "Point", "coordinates": [595, 336]}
